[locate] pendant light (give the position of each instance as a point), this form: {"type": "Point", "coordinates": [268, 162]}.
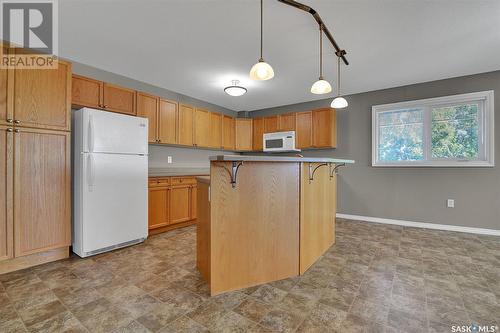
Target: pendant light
{"type": "Point", "coordinates": [339, 102]}
{"type": "Point", "coordinates": [321, 86]}
{"type": "Point", "coordinates": [235, 89]}
{"type": "Point", "coordinates": [261, 71]}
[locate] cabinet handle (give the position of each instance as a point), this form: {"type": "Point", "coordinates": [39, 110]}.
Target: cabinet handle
{"type": "Point", "coordinates": [16, 122]}
{"type": "Point", "coordinates": [16, 131]}
{"type": "Point", "coordinates": [10, 120]}
{"type": "Point", "coordinates": [9, 130]}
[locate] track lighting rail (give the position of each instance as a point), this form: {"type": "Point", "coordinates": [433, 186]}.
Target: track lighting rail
{"type": "Point", "coordinates": [321, 23]}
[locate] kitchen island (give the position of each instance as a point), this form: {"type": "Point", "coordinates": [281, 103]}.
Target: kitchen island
{"type": "Point", "coordinates": [264, 218]}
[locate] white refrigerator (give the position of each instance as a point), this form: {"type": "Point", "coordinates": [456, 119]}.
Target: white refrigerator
{"type": "Point", "coordinates": [110, 181]}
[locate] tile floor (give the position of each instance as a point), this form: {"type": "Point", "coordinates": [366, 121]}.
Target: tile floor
{"type": "Point", "coordinates": [377, 278]}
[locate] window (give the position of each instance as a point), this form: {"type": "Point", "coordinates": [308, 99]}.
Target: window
{"type": "Point", "coordinates": [445, 131]}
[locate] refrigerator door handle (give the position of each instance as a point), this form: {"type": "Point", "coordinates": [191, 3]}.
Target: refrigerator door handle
{"type": "Point", "coordinates": [91, 134]}
{"type": "Point", "coordinates": [90, 172]}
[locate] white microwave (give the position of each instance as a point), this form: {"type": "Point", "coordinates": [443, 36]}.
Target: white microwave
{"type": "Point", "coordinates": [279, 142]}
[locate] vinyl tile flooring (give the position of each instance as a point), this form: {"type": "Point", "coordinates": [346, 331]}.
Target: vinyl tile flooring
{"type": "Point", "coordinates": [376, 278]}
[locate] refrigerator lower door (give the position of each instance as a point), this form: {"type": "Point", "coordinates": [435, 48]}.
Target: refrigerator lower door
{"type": "Point", "coordinates": [115, 201]}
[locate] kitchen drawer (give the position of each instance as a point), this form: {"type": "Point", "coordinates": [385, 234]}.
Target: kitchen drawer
{"type": "Point", "coordinates": [183, 180]}
{"type": "Point", "coordinates": [159, 181]}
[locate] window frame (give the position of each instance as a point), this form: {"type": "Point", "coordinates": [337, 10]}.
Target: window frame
{"type": "Point", "coordinates": [486, 130]}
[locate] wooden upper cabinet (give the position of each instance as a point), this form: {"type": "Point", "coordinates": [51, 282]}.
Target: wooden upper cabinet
{"type": "Point", "coordinates": [303, 134]}
{"type": "Point", "coordinates": [147, 107]}
{"type": "Point", "coordinates": [6, 239]}
{"type": "Point", "coordinates": [215, 133]}
{"type": "Point", "coordinates": [202, 128]}
{"type": "Point", "coordinates": [158, 210]}
{"type": "Point", "coordinates": [180, 209]}
{"type": "Point", "coordinates": [42, 98]}
{"type": "Point", "coordinates": [3, 94]}
{"type": "Point", "coordinates": [243, 128]}
{"type": "Point", "coordinates": [271, 124]}
{"type": "Point", "coordinates": [228, 138]}
{"type": "Point", "coordinates": [119, 99]}
{"type": "Point", "coordinates": [167, 123]}
{"type": "Point", "coordinates": [286, 122]}
{"type": "Point", "coordinates": [185, 125]}
{"type": "Point", "coordinates": [258, 132]}
{"type": "Point", "coordinates": [324, 128]}
{"type": "Point", "coordinates": [86, 92]}
{"type": "Point", "coordinates": [42, 206]}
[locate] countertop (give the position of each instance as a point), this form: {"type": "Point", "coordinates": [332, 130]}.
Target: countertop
{"type": "Point", "coordinates": [203, 179]}
{"type": "Point", "coordinates": [172, 172]}
{"type": "Point", "coordinates": [260, 158]}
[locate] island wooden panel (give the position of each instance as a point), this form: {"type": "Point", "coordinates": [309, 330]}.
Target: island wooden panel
{"type": "Point", "coordinates": [252, 246]}
{"type": "Point", "coordinates": [318, 201]}
{"type": "Point", "coordinates": [203, 230]}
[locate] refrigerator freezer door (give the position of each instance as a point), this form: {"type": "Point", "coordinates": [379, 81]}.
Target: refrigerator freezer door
{"type": "Point", "coordinates": [115, 200]}
{"type": "Point", "coordinates": [108, 132]}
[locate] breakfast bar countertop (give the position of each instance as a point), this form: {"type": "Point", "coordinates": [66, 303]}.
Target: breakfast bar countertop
{"type": "Point", "coordinates": [261, 158]}
{"type": "Point", "coordinates": [173, 172]}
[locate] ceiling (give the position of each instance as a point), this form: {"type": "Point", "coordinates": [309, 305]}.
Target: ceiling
{"type": "Point", "coordinates": [196, 47]}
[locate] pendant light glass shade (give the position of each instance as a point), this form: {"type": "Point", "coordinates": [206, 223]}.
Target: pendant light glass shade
{"type": "Point", "coordinates": [235, 89]}
{"type": "Point", "coordinates": [321, 87]}
{"type": "Point", "coordinates": [261, 71]}
{"type": "Point", "coordinates": [339, 102]}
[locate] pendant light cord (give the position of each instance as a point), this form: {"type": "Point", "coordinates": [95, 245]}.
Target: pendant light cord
{"type": "Point", "coordinates": [338, 75]}
{"type": "Point", "coordinates": [320, 51]}
{"type": "Point", "coordinates": [261, 29]}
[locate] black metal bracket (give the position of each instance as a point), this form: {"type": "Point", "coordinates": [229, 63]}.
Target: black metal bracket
{"type": "Point", "coordinates": [339, 52]}
{"type": "Point", "coordinates": [335, 170]}
{"type": "Point", "coordinates": [234, 172]}
{"type": "Point", "coordinates": [313, 170]}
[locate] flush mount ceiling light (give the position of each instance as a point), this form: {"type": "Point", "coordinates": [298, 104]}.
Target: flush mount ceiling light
{"type": "Point", "coordinates": [321, 86]}
{"type": "Point", "coordinates": [261, 71]}
{"type": "Point", "coordinates": [339, 102]}
{"type": "Point", "coordinates": [235, 89]}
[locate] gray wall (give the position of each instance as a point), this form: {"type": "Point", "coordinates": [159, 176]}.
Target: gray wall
{"type": "Point", "coordinates": [414, 194]}
{"type": "Point", "coordinates": [182, 157]}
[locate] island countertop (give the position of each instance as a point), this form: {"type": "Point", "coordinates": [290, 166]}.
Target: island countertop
{"type": "Point", "coordinates": [261, 158]}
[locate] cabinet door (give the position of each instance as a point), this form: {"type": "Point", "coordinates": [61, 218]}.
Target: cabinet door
{"type": "Point", "coordinates": [86, 92]}
{"type": "Point", "coordinates": [42, 98]}
{"type": "Point", "coordinates": [286, 122]}
{"type": "Point", "coordinates": [193, 203]}
{"type": "Point", "coordinates": [324, 128]}
{"type": "Point", "coordinates": [6, 238]}
{"type": "Point", "coordinates": [215, 134]}
{"type": "Point", "coordinates": [258, 132]}
{"type": "Point", "coordinates": [167, 127]}
{"type": "Point", "coordinates": [5, 113]}
{"type": "Point", "coordinates": [271, 124]}
{"type": "Point", "coordinates": [202, 128]}
{"type": "Point", "coordinates": [229, 133]}
{"type": "Point", "coordinates": [243, 134]}
{"type": "Point", "coordinates": [147, 107]}
{"type": "Point", "coordinates": [42, 208]}
{"type": "Point", "coordinates": [180, 210]}
{"type": "Point", "coordinates": [185, 127]}
{"type": "Point", "coordinates": [119, 99]}
{"type": "Point", "coordinates": [158, 210]}
{"type": "Point", "coordinates": [303, 135]}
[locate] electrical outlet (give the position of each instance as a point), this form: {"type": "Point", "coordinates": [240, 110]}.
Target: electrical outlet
{"type": "Point", "coordinates": [169, 159]}
{"type": "Point", "coordinates": [450, 203]}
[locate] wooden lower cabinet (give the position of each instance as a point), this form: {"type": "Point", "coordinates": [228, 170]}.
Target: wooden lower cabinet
{"type": "Point", "coordinates": [172, 203]}
{"type": "Point", "coordinates": [42, 206]}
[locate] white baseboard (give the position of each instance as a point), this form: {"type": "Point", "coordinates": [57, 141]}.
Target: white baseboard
{"type": "Point", "coordinates": [413, 224]}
